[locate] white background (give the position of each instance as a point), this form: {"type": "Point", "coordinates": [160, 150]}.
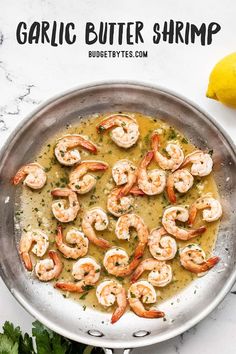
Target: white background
{"type": "Point", "coordinates": [30, 74]}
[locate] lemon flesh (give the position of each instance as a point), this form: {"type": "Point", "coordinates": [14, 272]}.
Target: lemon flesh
{"type": "Point", "coordinates": [222, 81]}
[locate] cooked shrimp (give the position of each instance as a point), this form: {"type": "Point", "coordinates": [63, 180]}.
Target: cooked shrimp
{"type": "Point", "coordinates": [145, 292]}
{"type": "Point", "coordinates": [59, 208]}
{"type": "Point", "coordinates": [161, 246]}
{"type": "Point", "coordinates": [174, 151]}
{"type": "Point", "coordinates": [80, 181]}
{"type": "Point", "coordinates": [160, 273]}
{"type": "Point", "coordinates": [116, 262]}
{"type": "Point", "coordinates": [126, 132]}
{"type": "Point", "coordinates": [211, 207]}
{"type": "Point", "coordinates": [49, 268]}
{"type": "Point", "coordinates": [182, 180]}
{"type": "Point", "coordinates": [117, 205]}
{"type": "Point", "coordinates": [109, 292]}
{"type": "Point", "coordinates": [73, 237]}
{"type": "Point", "coordinates": [87, 273]}
{"type": "Point", "coordinates": [66, 150]}
{"type": "Point", "coordinates": [193, 258]}
{"type": "Point", "coordinates": [97, 219]}
{"type": "Point", "coordinates": [33, 175]}
{"type": "Point", "coordinates": [36, 238]}
{"type": "Point", "coordinates": [124, 172]}
{"type": "Point", "coordinates": [201, 163]}
{"type": "Point", "coordinates": [122, 231]}
{"type": "Point", "coordinates": [150, 182]}
{"type": "Point", "coordinates": [179, 213]}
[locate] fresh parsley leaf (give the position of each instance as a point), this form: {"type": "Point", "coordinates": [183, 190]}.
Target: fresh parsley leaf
{"type": "Point", "coordinates": [12, 341]}
{"type": "Point", "coordinates": [7, 346]}
{"type": "Point", "coordinates": [26, 345]}
{"type": "Point", "coordinates": [42, 338]}
{"type": "Point", "coordinates": [10, 331]}
{"type": "Point", "coordinates": [78, 348]}
{"type": "Point", "coordinates": [97, 350]}
{"type": "Point", "coordinates": [48, 341]}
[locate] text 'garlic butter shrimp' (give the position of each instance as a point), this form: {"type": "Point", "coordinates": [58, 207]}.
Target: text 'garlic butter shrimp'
{"type": "Point", "coordinates": [73, 237]}
{"type": "Point", "coordinates": [201, 163]}
{"type": "Point", "coordinates": [182, 180]}
{"type": "Point", "coordinates": [162, 246]}
{"type": "Point", "coordinates": [49, 268]}
{"type": "Point", "coordinates": [179, 213]}
{"type": "Point", "coordinates": [80, 181]}
{"type": "Point", "coordinates": [66, 152]}
{"type": "Point", "coordinates": [87, 273]}
{"type": "Point", "coordinates": [125, 132]}
{"type": "Point", "coordinates": [143, 291]}
{"type": "Point", "coordinates": [95, 218]}
{"type": "Point", "coordinates": [174, 151]}
{"type": "Point", "coordinates": [39, 241]}
{"type": "Point", "coordinates": [109, 292]}
{"type": "Point", "coordinates": [60, 209]}
{"type": "Point", "coordinates": [124, 172]}
{"type": "Point", "coordinates": [150, 182]}
{"type": "Point", "coordinates": [160, 273]}
{"type": "Point", "coordinates": [122, 231]}
{"type": "Point", "coordinates": [33, 175]}
{"type": "Point", "coordinates": [116, 262]}
{"type": "Point", "coordinates": [211, 207]}
{"type": "Point", "coordinates": [193, 258]}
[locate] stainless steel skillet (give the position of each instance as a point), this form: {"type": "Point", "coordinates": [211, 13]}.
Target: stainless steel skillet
{"type": "Point", "coordinates": [67, 317]}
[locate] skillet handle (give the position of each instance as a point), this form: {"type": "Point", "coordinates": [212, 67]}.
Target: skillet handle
{"type": "Point", "coordinates": [117, 351]}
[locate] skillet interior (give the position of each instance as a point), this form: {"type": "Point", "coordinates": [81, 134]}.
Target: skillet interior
{"type": "Point", "coordinates": [67, 317]}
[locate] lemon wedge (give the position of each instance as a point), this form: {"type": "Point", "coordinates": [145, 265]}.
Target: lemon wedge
{"type": "Point", "coordinates": [222, 81]}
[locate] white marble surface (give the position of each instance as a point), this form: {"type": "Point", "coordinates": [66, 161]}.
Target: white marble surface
{"type": "Point", "coordinates": [30, 74]}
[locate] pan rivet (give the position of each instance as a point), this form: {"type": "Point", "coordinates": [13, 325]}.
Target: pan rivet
{"type": "Point", "coordinates": [141, 333]}
{"type": "Point", "coordinates": [95, 333]}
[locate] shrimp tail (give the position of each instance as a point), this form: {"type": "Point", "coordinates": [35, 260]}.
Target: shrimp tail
{"type": "Point", "coordinates": [136, 274]}
{"type": "Point", "coordinates": [18, 177]}
{"type": "Point", "coordinates": [204, 267]}
{"type": "Point", "coordinates": [192, 215]}
{"type": "Point", "coordinates": [127, 188]}
{"type": "Point", "coordinates": [98, 166]}
{"type": "Point", "coordinates": [123, 191]}
{"type": "Point", "coordinates": [89, 146]}
{"type": "Point", "coordinates": [59, 235]}
{"type": "Point", "coordinates": [56, 260]}
{"type": "Point", "coordinates": [147, 159]}
{"type": "Point", "coordinates": [170, 189]}
{"type": "Point", "coordinates": [148, 313]}
{"type": "Point", "coordinates": [155, 141]}
{"type": "Point", "coordinates": [105, 124]}
{"type": "Point", "coordinates": [100, 242]}
{"type": "Point", "coordinates": [188, 158]}
{"type": "Point", "coordinates": [198, 231]}
{"type": "Point", "coordinates": [122, 304]}
{"type": "Point", "coordinates": [27, 261]}
{"type": "Point", "coordinates": [153, 314]}
{"type": "Point", "coordinates": [136, 191]}
{"type": "Point", "coordinates": [116, 315]}
{"type": "Point", "coordinates": [58, 192]}
{"type": "Point", "coordinates": [149, 156]}
{"type": "Point", "coordinates": [139, 251]}
{"type": "Point", "coordinates": [210, 263]}
{"type": "Point", "coordinates": [71, 287]}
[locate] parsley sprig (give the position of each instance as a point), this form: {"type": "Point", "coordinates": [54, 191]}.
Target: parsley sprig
{"type": "Point", "coordinates": [43, 341]}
